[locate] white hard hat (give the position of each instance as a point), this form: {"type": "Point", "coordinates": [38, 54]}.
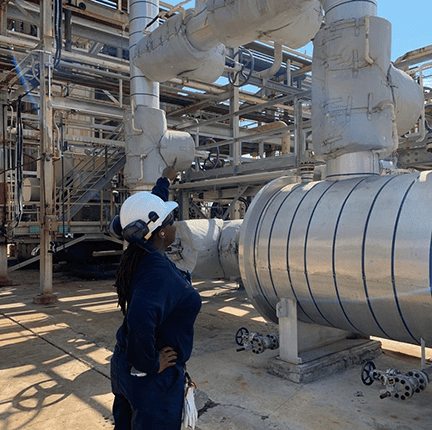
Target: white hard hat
{"type": "Point", "coordinates": [147, 207]}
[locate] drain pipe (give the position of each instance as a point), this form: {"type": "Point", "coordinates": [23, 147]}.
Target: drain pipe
{"type": "Point", "coordinates": [271, 71]}
{"type": "Point", "coordinates": [361, 103]}
{"type": "Point", "coordinates": [150, 147]}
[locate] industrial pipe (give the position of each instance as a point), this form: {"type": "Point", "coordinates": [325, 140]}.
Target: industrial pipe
{"type": "Point", "coordinates": [361, 103]}
{"type": "Point", "coordinates": [149, 146]}
{"type": "Point", "coordinates": [193, 45]}
{"type": "Point", "coordinates": [343, 250]}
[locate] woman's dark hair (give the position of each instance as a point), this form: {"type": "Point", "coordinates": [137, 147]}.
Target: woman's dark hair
{"type": "Point", "coordinates": [126, 270]}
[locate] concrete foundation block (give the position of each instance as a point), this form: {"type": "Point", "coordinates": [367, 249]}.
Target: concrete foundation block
{"type": "Point", "coordinates": [5, 282]}
{"type": "Point", "coordinates": [327, 360]}
{"type": "Point", "coordinates": [45, 299]}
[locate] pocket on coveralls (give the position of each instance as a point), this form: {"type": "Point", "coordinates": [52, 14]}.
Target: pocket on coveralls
{"type": "Point", "coordinates": [168, 378]}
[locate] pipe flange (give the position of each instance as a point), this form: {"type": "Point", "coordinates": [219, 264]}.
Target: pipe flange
{"type": "Point", "coordinates": [274, 338]}
{"type": "Point", "coordinates": [421, 377]}
{"type": "Point", "coordinates": [257, 345]}
{"type": "Point", "coordinates": [404, 387]}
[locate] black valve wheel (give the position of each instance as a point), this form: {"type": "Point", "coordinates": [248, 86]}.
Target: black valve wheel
{"type": "Point", "coordinates": [367, 373]}
{"type": "Point", "coordinates": [246, 60]}
{"type": "Point", "coordinates": [239, 335]}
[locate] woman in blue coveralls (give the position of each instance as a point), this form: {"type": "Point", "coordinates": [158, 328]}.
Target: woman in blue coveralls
{"type": "Point", "coordinates": [160, 307]}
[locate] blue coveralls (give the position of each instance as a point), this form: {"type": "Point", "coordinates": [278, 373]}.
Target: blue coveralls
{"type": "Point", "coordinates": [162, 310]}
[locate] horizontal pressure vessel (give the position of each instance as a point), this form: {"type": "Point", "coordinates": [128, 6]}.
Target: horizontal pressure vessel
{"type": "Point", "coordinates": [355, 254]}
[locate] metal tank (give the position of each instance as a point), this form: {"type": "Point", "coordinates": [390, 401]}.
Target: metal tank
{"type": "Point", "coordinates": [354, 254]}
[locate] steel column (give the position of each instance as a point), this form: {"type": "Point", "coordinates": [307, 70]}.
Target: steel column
{"type": "Point", "coordinates": [47, 216]}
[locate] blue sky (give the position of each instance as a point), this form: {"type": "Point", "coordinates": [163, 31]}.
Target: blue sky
{"type": "Point", "coordinates": [411, 23]}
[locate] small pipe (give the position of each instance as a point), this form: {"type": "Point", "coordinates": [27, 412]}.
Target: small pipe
{"type": "Point", "coordinates": [271, 71]}
{"type": "Point", "coordinates": [142, 158]}
{"type": "Point", "coordinates": [68, 28]}
{"type": "Point", "coordinates": [297, 132]}
{"type": "Point", "coordinates": [134, 129]}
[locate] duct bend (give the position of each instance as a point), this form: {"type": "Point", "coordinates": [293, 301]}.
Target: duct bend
{"type": "Point", "coordinates": [150, 147]}
{"type": "Point", "coordinates": [192, 46]}
{"type": "Point", "coordinates": [408, 99]}
{"type": "Point", "coordinates": [343, 250]}
{"type": "Point", "coordinates": [166, 53]}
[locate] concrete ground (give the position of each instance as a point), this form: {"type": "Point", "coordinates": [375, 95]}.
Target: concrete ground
{"type": "Point", "coordinates": [54, 367]}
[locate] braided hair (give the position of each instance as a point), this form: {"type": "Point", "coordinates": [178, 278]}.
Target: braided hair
{"type": "Point", "coordinates": [128, 264]}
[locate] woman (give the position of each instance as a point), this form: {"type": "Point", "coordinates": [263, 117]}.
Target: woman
{"type": "Point", "coordinates": [160, 307]}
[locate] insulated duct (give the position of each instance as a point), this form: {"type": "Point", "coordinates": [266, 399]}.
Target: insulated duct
{"type": "Point", "coordinates": [149, 146]}
{"type": "Point", "coordinates": [193, 45]}
{"type": "Point", "coordinates": [167, 53]}
{"type": "Point", "coordinates": [361, 103]}
{"type": "Point", "coordinates": [207, 248]}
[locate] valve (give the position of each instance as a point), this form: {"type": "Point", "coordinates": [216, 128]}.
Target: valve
{"type": "Point", "coordinates": [243, 59]}
{"type": "Point", "coordinates": [396, 384]}
{"type": "Point", "coordinates": [256, 342]}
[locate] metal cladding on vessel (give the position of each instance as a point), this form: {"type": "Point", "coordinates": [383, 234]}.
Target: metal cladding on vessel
{"type": "Point", "coordinates": [354, 254]}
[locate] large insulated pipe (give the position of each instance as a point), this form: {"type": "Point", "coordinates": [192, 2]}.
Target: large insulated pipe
{"type": "Point", "coordinates": [355, 254]}
{"type": "Point", "coordinates": [361, 103]}
{"type": "Point", "coordinates": [290, 22]}
{"type": "Point", "coordinates": [149, 145]}
{"type": "Point", "coordinates": [193, 44]}
{"type": "Point", "coordinates": [143, 91]}
{"type": "Point", "coordinates": [207, 248]}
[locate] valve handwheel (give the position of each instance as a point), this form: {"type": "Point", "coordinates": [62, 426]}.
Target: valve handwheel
{"type": "Point", "coordinates": [246, 60]}
{"type": "Point", "coordinates": [367, 373]}
{"type": "Point", "coordinates": [239, 335]}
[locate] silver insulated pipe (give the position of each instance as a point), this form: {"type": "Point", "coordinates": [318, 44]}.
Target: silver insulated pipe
{"type": "Point", "coordinates": [355, 254]}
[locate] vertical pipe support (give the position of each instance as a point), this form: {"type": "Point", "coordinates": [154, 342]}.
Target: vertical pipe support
{"type": "Point", "coordinates": [298, 132]}
{"type": "Point", "coordinates": [183, 205]}
{"type": "Point", "coordinates": [47, 215]}
{"type": "Point", "coordinates": [3, 196]}
{"type": "Point", "coordinates": [423, 354]}
{"type": "Point", "coordinates": [3, 18]}
{"type": "Point", "coordinates": [237, 146]}
{"type": "Point", "coordinates": [286, 311]}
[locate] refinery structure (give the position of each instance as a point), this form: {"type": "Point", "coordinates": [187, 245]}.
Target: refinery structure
{"type": "Point", "coordinates": [305, 178]}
